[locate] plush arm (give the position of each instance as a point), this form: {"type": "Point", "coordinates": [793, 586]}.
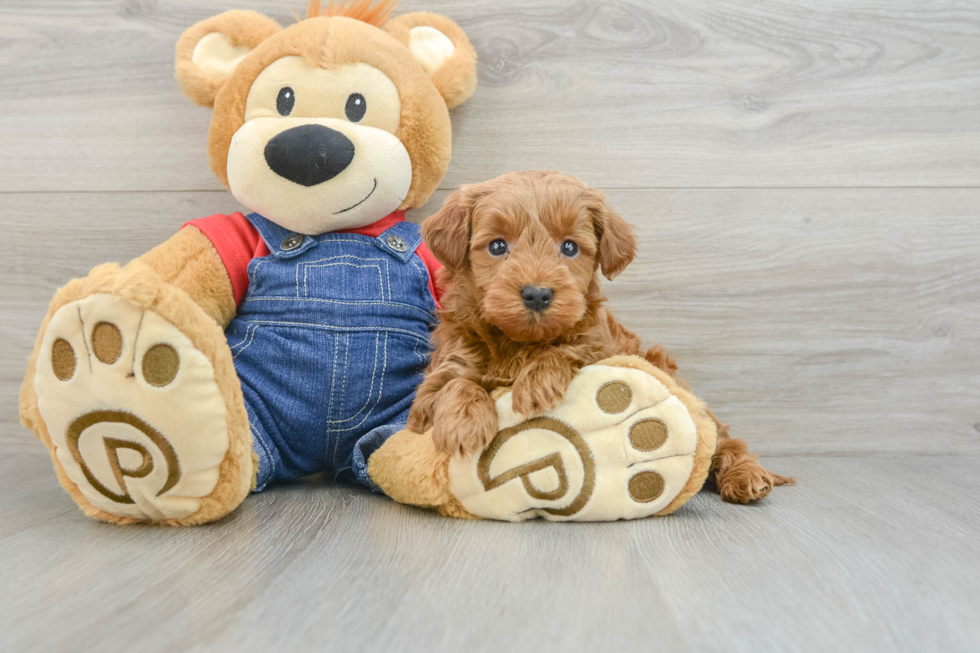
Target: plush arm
{"type": "Point", "coordinates": [190, 262]}
{"type": "Point", "coordinates": [543, 382]}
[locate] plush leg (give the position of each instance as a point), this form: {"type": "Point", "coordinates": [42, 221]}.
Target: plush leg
{"type": "Point", "coordinates": [410, 469]}
{"type": "Point", "coordinates": [625, 442]}
{"type": "Point", "coordinates": [132, 388]}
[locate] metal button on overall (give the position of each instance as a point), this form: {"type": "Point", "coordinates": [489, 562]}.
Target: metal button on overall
{"type": "Point", "coordinates": [396, 243]}
{"type": "Point", "coordinates": [291, 242]}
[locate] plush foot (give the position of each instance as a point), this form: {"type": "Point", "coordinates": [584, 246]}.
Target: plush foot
{"type": "Point", "coordinates": [139, 426]}
{"type": "Point", "coordinates": [625, 442]}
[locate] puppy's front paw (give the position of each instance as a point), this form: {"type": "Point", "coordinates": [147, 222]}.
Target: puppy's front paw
{"type": "Point", "coordinates": [465, 418]}
{"type": "Point", "coordinates": [418, 415]}
{"type": "Point", "coordinates": [540, 388]}
{"type": "Point", "coordinates": [467, 431]}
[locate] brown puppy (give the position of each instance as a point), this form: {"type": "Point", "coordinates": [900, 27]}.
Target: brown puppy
{"type": "Point", "coordinates": [522, 256]}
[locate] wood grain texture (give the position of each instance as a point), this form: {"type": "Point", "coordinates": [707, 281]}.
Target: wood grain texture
{"type": "Point", "coordinates": [629, 94]}
{"type": "Point", "coordinates": [868, 554]}
{"type": "Point", "coordinates": [818, 321]}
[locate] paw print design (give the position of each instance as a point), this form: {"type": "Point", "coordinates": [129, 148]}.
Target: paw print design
{"type": "Point", "coordinates": [137, 419]}
{"type": "Point", "coordinates": [620, 445]}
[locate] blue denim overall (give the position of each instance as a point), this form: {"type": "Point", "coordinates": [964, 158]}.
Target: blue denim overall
{"type": "Point", "coordinates": [330, 343]}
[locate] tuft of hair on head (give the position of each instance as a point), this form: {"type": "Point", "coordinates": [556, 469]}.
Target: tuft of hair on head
{"type": "Point", "coordinates": [357, 9]}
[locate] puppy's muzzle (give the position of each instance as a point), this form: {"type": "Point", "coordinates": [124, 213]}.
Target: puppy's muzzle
{"type": "Point", "coordinates": [537, 298]}
{"type": "Point", "coordinates": [309, 154]}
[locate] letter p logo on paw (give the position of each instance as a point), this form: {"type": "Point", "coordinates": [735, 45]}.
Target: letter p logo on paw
{"type": "Point", "coordinates": [549, 469]}
{"type": "Point", "coordinates": [150, 461]}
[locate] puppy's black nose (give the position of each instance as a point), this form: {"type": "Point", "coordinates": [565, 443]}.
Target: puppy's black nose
{"type": "Point", "coordinates": [309, 154]}
{"type": "Point", "coordinates": [537, 299]}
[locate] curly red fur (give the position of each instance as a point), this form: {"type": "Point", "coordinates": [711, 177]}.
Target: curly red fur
{"type": "Point", "coordinates": [488, 338]}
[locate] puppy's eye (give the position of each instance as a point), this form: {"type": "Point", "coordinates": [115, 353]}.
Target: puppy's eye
{"type": "Point", "coordinates": [498, 247]}
{"type": "Point", "coordinates": [569, 248]}
{"type": "Point", "coordinates": [285, 101]}
{"type": "Point", "coordinates": [356, 107]}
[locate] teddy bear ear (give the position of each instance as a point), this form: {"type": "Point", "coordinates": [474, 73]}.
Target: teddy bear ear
{"type": "Point", "coordinates": [442, 49]}
{"type": "Point", "coordinates": [208, 52]}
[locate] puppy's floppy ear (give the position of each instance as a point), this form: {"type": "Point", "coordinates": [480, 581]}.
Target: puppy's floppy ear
{"type": "Point", "coordinates": [442, 49]}
{"type": "Point", "coordinates": [617, 245]}
{"type": "Point", "coordinates": [208, 52]}
{"type": "Point", "coordinates": [447, 233]}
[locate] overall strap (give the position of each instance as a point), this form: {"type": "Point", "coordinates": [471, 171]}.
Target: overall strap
{"type": "Point", "coordinates": [400, 240]}
{"type": "Point", "coordinates": [283, 243]}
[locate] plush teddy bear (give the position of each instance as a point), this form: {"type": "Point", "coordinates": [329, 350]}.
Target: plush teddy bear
{"type": "Point", "coordinates": [252, 349]}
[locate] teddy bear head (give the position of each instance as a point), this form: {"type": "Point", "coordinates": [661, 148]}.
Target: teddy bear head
{"type": "Point", "coordinates": [333, 122]}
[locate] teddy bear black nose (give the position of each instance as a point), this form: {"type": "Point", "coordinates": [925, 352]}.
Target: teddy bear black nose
{"type": "Point", "coordinates": [309, 154]}
{"type": "Point", "coordinates": [536, 298]}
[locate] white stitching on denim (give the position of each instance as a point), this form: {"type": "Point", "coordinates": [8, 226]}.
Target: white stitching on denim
{"type": "Point", "coordinates": [268, 453]}
{"type": "Point", "coordinates": [375, 257]}
{"type": "Point", "coordinates": [246, 342]}
{"type": "Point", "coordinates": [415, 264]}
{"type": "Point", "coordinates": [344, 387]}
{"type": "Point", "coordinates": [296, 269]}
{"type": "Point", "coordinates": [372, 259]}
{"type": "Point", "coordinates": [327, 429]}
{"type": "Point", "coordinates": [384, 368]}
{"type": "Point", "coordinates": [331, 327]}
{"type": "Point", "coordinates": [343, 378]}
{"type": "Point", "coordinates": [415, 350]}
{"type": "Point", "coordinates": [240, 342]}
{"type": "Point", "coordinates": [333, 376]}
{"type": "Point", "coordinates": [253, 278]}
{"type": "Point", "coordinates": [374, 373]}
{"type": "Point", "coordinates": [306, 267]}
{"type": "Point", "coordinates": [327, 239]}
{"type": "Point", "coordinates": [428, 314]}
{"type": "Point", "coordinates": [388, 281]}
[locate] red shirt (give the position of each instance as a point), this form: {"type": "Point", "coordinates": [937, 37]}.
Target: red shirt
{"type": "Point", "coordinates": [238, 242]}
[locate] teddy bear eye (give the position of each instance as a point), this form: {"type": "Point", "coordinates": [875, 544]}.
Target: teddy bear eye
{"type": "Point", "coordinates": [498, 247]}
{"type": "Point", "coordinates": [356, 106]}
{"type": "Point", "coordinates": [285, 101]}
{"type": "Point", "coordinates": [569, 248]}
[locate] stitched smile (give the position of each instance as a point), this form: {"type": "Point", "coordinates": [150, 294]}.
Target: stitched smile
{"type": "Point", "coordinates": [373, 188]}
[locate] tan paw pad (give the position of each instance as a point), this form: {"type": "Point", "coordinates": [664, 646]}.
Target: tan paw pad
{"type": "Point", "coordinates": [619, 446]}
{"type": "Point", "coordinates": [136, 416]}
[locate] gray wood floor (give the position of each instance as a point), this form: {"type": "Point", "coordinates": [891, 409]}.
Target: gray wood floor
{"type": "Point", "coordinates": [805, 179]}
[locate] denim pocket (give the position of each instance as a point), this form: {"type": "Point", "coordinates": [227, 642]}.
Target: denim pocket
{"type": "Point", "coordinates": [357, 380]}
{"type": "Point", "coordinates": [345, 277]}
